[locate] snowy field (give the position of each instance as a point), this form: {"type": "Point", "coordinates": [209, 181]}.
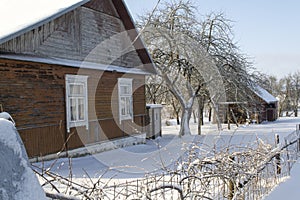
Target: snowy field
{"type": "Point", "coordinates": [134, 162]}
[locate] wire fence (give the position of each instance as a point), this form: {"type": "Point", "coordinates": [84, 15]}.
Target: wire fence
{"type": "Point", "coordinates": [244, 175]}
{"type": "Point", "coordinates": [276, 170]}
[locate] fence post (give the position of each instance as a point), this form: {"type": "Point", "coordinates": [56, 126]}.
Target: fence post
{"type": "Point", "coordinates": [127, 188]}
{"type": "Point", "coordinates": [231, 189]}
{"type": "Point", "coordinates": [298, 134]}
{"type": "Point", "coordinates": [277, 156]}
{"type": "Point", "coordinates": [137, 187]}
{"type": "Point", "coordinates": [115, 190]}
{"type": "Point", "coordinates": [231, 184]}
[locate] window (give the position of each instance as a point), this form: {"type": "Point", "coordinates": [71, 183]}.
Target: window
{"type": "Point", "coordinates": [76, 101]}
{"type": "Point", "coordinates": [125, 98]}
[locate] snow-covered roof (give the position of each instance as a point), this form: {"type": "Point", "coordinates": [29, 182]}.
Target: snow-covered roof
{"type": "Point", "coordinates": [264, 94]}
{"type": "Point", "coordinates": [20, 16]}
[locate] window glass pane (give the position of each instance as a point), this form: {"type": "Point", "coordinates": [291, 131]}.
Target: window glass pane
{"type": "Point", "coordinates": [122, 105]}
{"type": "Point", "coordinates": [76, 89]}
{"type": "Point", "coordinates": [73, 109]}
{"type": "Point", "coordinates": [124, 89]}
{"type": "Point", "coordinates": [81, 109]}
{"type": "Point", "coordinates": [128, 106]}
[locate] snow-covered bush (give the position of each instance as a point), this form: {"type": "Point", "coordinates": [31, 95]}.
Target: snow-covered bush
{"type": "Point", "coordinates": [229, 172]}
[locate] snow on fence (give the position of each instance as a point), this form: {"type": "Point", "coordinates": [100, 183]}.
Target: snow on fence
{"type": "Point", "coordinates": [232, 174]}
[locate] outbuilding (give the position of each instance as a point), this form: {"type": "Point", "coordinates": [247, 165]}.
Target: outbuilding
{"type": "Point", "coordinates": [266, 106]}
{"type": "Point", "coordinates": [262, 106]}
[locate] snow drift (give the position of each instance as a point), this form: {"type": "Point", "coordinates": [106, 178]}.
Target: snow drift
{"type": "Point", "coordinates": [17, 180]}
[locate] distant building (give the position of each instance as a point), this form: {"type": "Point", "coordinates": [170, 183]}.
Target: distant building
{"type": "Point", "coordinates": [266, 106]}
{"type": "Point", "coordinates": [262, 107]}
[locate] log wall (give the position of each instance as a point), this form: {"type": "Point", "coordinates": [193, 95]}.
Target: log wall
{"type": "Point", "coordinates": [34, 94]}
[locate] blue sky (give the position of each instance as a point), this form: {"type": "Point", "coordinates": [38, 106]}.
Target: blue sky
{"type": "Point", "coordinates": [266, 30]}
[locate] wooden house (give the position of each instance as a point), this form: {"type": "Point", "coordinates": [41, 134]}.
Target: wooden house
{"type": "Point", "coordinates": [72, 74]}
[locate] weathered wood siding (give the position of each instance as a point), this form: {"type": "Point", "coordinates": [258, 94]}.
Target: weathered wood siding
{"type": "Point", "coordinates": [34, 94]}
{"type": "Point", "coordinates": [266, 111]}
{"type": "Point", "coordinates": [93, 32]}
{"type": "Point", "coordinates": [257, 109]}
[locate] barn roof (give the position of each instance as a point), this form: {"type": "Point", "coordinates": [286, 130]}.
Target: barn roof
{"type": "Point", "coordinates": [264, 94]}
{"type": "Point", "coordinates": [18, 17]}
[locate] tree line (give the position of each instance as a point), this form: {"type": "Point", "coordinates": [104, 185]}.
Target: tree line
{"type": "Point", "coordinates": [287, 91]}
{"type": "Point", "coordinates": [197, 60]}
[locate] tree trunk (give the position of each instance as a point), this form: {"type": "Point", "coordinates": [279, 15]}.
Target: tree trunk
{"type": "Point", "coordinates": [195, 118]}
{"type": "Point", "coordinates": [228, 118]}
{"type": "Point", "coordinates": [209, 113]}
{"type": "Point", "coordinates": [280, 112]}
{"type": "Point", "coordinates": [177, 118]}
{"type": "Point", "coordinates": [199, 122]}
{"type": "Point", "coordinates": [200, 110]}
{"type": "Point", "coordinates": [185, 119]}
{"type": "Point", "coordinates": [216, 116]}
{"type": "Point", "coordinates": [176, 112]}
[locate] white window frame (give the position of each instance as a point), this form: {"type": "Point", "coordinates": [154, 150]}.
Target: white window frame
{"type": "Point", "coordinates": [80, 81]}
{"type": "Point", "coordinates": [125, 112]}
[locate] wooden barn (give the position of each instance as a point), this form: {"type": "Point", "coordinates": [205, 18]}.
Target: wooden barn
{"type": "Point", "coordinates": [72, 74]}
{"type": "Point", "coordinates": [266, 108]}
{"type": "Point", "coordinates": [263, 107]}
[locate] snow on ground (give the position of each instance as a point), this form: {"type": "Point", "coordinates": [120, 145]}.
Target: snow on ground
{"type": "Point", "coordinates": [288, 189]}
{"type": "Point", "coordinates": [136, 161]}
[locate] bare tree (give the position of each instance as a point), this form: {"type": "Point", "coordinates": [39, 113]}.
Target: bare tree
{"type": "Point", "coordinates": [168, 38]}
{"type": "Point", "coordinates": [280, 88]}
{"type": "Point", "coordinates": [287, 90]}
{"type": "Point", "coordinates": [156, 90]}
{"type": "Point", "coordinates": [172, 100]}
{"type": "Point", "coordinates": [218, 39]}
{"type": "Point", "coordinates": [196, 59]}
{"type": "Point", "coordinates": [287, 105]}
{"type": "Point", "coordinates": [295, 92]}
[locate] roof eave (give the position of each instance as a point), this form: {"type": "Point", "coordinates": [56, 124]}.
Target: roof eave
{"type": "Point", "coordinates": [74, 64]}
{"type": "Point", "coordinates": [134, 35]}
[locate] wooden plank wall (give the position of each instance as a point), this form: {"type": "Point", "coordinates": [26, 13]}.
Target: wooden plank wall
{"type": "Point", "coordinates": [90, 32]}
{"type": "Point", "coordinates": [34, 94]}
